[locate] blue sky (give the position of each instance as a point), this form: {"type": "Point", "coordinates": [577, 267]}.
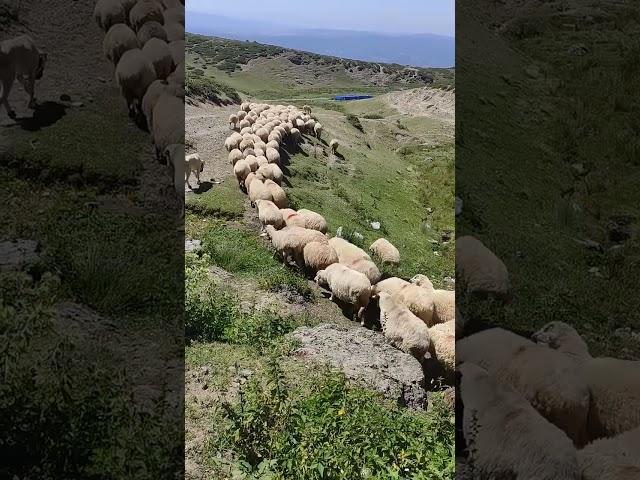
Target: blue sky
{"type": "Point", "coordinates": [384, 16]}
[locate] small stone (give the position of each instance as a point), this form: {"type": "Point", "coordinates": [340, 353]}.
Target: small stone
{"type": "Point", "coordinates": [339, 232]}
{"type": "Point", "coordinates": [246, 372]}
{"type": "Point", "coordinates": [532, 71]}
{"type": "Point", "coordinates": [375, 225]}
{"type": "Point", "coordinates": [192, 245]}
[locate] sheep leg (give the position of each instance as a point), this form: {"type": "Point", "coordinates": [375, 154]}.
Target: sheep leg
{"type": "Point", "coordinates": [29, 87]}
{"type": "Point", "coordinates": [7, 83]}
{"type": "Point", "coordinates": [198, 176]}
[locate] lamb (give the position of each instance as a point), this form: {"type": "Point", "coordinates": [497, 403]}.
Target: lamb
{"type": "Point", "coordinates": [551, 382]}
{"type": "Point", "coordinates": [241, 169]}
{"type": "Point", "coordinates": [616, 458]}
{"type": "Point", "coordinates": [290, 241]}
{"type": "Point", "coordinates": [346, 285]}
{"type": "Point", "coordinates": [145, 11]}
{"type": "Point", "coordinates": [151, 30]}
{"type": "Point", "coordinates": [385, 251]}
{"type": "Point", "coordinates": [272, 172]}
{"type": "Point", "coordinates": [108, 13]}
{"type": "Point", "coordinates": [269, 214]}
{"type": "Point", "coordinates": [318, 256]}
{"type": "Point", "coordinates": [506, 437]}
{"type": "Point", "coordinates": [278, 194]}
{"type": "Point", "coordinates": [175, 31]}
{"type": "Point", "coordinates": [444, 306]}
{"type": "Point", "coordinates": [292, 219]}
{"type": "Point", "coordinates": [313, 220]}
{"type": "Point", "coordinates": [159, 54]}
{"type": "Point", "coordinates": [174, 15]}
{"type": "Point", "coordinates": [402, 328]}
{"type": "Point", "coordinates": [415, 298]}
{"type": "Point", "coordinates": [154, 92]}
{"type": "Point", "coordinates": [118, 40]}
{"type": "Point", "coordinates": [317, 129]}
{"type": "Point", "coordinates": [272, 155]}
{"type": "Point", "coordinates": [614, 384]}
{"type": "Point", "coordinates": [334, 146]}
{"type": "Point", "coordinates": [365, 266]}
{"type": "Point", "coordinates": [193, 164]}
{"type": "Point", "coordinates": [168, 122]}
{"type": "Point", "coordinates": [480, 270]}
{"type": "Point", "coordinates": [443, 345]}
{"type": "Point", "coordinates": [134, 74]}
{"type": "Point", "coordinates": [233, 120]}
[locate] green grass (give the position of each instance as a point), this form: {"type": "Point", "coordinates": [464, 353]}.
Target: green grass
{"type": "Point", "coordinates": [207, 89]}
{"type": "Point", "coordinates": [512, 185]}
{"type": "Point", "coordinates": [225, 200]}
{"type": "Point", "coordinates": [241, 252]}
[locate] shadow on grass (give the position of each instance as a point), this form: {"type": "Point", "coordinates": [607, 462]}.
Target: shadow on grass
{"type": "Point", "coordinates": [44, 115]}
{"type": "Point", "coordinates": [203, 187]}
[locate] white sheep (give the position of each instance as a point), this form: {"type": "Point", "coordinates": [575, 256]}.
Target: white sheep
{"type": "Point", "coordinates": [108, 13]}
{"type": "Point", "coordinates": [313, 220]}
{"type": "Point", "coordinates": [385, 251]}
{"type": "Point", "coordinates": [177, 76]}
{"type": "Point", "coordinates": [257, 190]}
{"type": "Point", "coordinates": [168, 122]}
{"type": "Point", "coordinates": [151, 30]}
{"type": "Point", "coordinates": [177, 48]}
{"type": "Point", "coordinates": [153, 93]}
{"type": "Point", "coordinates": [306, 109]}
{"type": "Point", "coordinates": [252, 162]}
{"type": "Point", "coordinates": [402, 328]}
{"type": "Point", "coordinates": [259, 152]}
{"type": "Point", "coordinates": [272, 172]}
{"type": "Point", "coordinates": [365, 266]}
{"type": "Point", "coordinates": [269, 214]}
{"type": "Point", "coordinates": [479, 269]}
{"type": "Point", "coordinates": [145, 11]}
{"type": "Point", "coordinates": [174, 15]}
{"type": "Point", "coordinates": [235, 155]}
{"type": "Point", "coordinates": [263, 133]}
{"type": "Point", "coordinates": [415, 298]}
{"type": "Point", "coordinates": [290, 241]}
{"type": "Point", "coordinates": [174, 30]}
{"type": "Point", "coordinates": [241, 114]}
{"type": "Point", "coordinates": [159, 54]}
{"type": "Point", "coordinates": [317, 130]}
{"type": "Point", "coordinates": [506, 437]}
{"type": "Point", "coordinates": [443, 345]}
{"type": "Point", "coordinates": [118, 40]}
{"type": "Point", "coordinates": [246, 142]}
{"type": "Point", "coordinates": [272, 155]}
{"type": "Point", "coordinates": [346, 285]}
{"type": "Point", "coordinates": [247, 181]}
{"type": "Point", "coordinates": [262, 160]}
{"type": "Point", "coordinates": [309, 125]}
{"type": "Point", "coordinates": [232, 142]}
{"type": "Point", "coordinates": [292, 219]}
{"type": "Point", "coordinates": [272, 144]}
{"type": "Point", "coordinates": [244, 123]}
{"type": "Point", "coordinates": [334, 144]}
{"type": "Point", "coordinates": [175, 157]}
{"type": "Point", "coordinates": [347, 251]}
{"type": "Point", "coordinates": [616, 458]}
{"type": "Point", "coordinates": [278, 194]}
{"type": "Point", "coordinates": [444, 306]}
{"type": "Point", "coordinates": [233, 120]}
{"type": "Point", "coordinates": [551, 382]}
{"type": "Point", "coordinates": [193, 164]}
{"type": "Point", "coordinates": [241, 169]}
{"type": "Point", "coordinates": [134, 74]}
{"type": "Point", "coordinates": [614, 384]}
{"type": "Point", "coordinates": [422, 281]}
{"type": "Point", "coordinates": [318, 256]}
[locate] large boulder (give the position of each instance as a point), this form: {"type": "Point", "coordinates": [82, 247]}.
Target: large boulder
{"type": "Point", "coordinates": [367, 359]}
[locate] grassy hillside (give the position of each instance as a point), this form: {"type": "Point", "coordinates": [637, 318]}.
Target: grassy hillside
{"type": "Point", "coordinates": [265, 70]}
{"type": "Point", "coordinates": [567, 172]}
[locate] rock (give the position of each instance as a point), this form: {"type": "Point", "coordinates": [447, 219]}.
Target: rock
{"type": "Point", "coordinates": [532, 71]}
{"type": "Point", "coordinates": [458, 206]}
{"type": "Point", "coordinates": [375, 225]}
{"type": "Point", "coordinates": [339, 232]}
{"type": "Point", "coordinates": [77, 104]}
{"type": "Point", "coordinates": [192, 245]}
{"type": "Point", "coordinates": [365, 357]}
{"type": "Point", "coordinates": [18, 253]}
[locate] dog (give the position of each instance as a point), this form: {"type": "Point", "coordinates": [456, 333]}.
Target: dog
{"type": "Point", "coordinates": [21, 59]}
{"type": "Point", "coordinates": [193, 164]}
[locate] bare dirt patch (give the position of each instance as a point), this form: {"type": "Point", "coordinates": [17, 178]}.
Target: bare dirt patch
{"type": "Point", "coordinates": [424, 102]}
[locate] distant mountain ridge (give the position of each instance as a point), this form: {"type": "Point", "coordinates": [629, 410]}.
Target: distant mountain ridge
{"type": "Point", "coordinates": [420, 50]}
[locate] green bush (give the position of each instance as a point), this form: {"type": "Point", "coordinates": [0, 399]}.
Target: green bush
{"type": "Point", "coordinates": [207, 89]}
{"type": "Point", "coordinates": [337, 432]}
{"type": "Point", "coordinates": [373, 116]}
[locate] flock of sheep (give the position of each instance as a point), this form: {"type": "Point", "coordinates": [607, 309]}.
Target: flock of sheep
{"type": "Point", "coordinates": [144, 40]}
{"type": "Point", "coordinates": [414, 316]}
{"type": "Point", "coordinates": [543, 407]}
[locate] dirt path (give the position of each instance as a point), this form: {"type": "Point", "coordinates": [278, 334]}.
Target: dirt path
{"type": "Point", "coordinates": [425, 102]}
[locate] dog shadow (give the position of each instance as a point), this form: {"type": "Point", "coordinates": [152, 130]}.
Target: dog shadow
{"type": "Point", "coordinates": [202, 188]}
{"type": "Point", "coordinates": [44, 115]}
